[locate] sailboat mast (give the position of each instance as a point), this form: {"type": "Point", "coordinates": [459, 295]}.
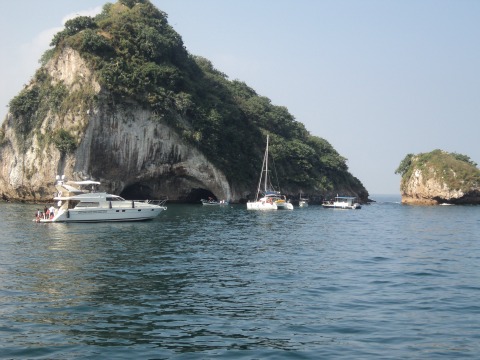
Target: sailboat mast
{"type": "Point", "coordinates": [266, 166]}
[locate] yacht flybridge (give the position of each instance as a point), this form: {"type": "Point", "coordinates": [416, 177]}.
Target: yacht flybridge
{"type": "Point", "coordinates": [77, 204]}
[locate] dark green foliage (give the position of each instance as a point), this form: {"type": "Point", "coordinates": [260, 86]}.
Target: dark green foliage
{"type": "Point", "coordinates": [132, 3]}
{"type": "Point", "coordinates": [96, 44]}
{"type": "Point", "coordinates": [404, 165]}
{"type": "Point", "coordinates": [46, 56]}
{"type": "Point", "coordinates": [72, 27]}
{"type": "Point", "coordinates": [24, 107]}
{"type": "Point", "coordinates": [57, 95]}
{"type": "Point", "coordinates": [64, 141]}
{"type": "Point", "coordinates": [32, 105]}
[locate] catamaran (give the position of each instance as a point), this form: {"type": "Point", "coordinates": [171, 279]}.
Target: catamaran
{"type": "Point", "coordinates": [268, 198]}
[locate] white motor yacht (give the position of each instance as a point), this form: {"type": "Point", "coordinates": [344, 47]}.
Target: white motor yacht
{"type": "Point", "coordinates": [76, 204]}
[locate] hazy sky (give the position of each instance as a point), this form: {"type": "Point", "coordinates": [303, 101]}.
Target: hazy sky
{"type": "Point", "coordinates": [378, 79]}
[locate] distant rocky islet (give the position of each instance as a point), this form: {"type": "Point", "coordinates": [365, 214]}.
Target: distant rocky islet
{"type": "Point", "coordinates": [439, 177]}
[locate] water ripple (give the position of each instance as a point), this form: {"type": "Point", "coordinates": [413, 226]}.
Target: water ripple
{"type": "Point", "coordinates": [387, 281]}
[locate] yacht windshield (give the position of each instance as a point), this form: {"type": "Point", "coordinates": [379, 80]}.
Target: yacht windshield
{"type": "Point", "coordinates": [115, 198]}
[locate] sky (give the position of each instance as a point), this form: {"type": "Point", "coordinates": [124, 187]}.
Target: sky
{"type": "Point", "coordinates": [378, 79]}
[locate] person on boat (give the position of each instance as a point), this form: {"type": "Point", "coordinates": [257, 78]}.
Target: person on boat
{"type": "Point", "coordinates": [52, 212]}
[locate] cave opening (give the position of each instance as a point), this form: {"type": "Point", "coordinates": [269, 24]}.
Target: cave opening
{"type": "Point", "coordinates": [137, 192]}
{"type": "Point", "coordinates": [196, 195]}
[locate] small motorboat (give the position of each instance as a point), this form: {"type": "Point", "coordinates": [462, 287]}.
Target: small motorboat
{"type": "Point", "coordinates": [342, 202]}
{"type": "Point", "coordinates": [214, 202]}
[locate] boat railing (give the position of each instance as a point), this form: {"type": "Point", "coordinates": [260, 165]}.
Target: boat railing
{"type": "Point", "coordinates": [135, 203]}
{"type": "Point", "coordinates": [161, 202]}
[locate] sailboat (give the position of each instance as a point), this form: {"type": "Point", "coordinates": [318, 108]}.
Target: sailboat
{"type": "Point", "coordinates": [302, 202]}
{"type": "Point", "coordinates": [268, 198]}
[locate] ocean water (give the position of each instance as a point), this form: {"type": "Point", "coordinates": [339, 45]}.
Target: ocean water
{"type": "Point", "coordinates": [388, 281]}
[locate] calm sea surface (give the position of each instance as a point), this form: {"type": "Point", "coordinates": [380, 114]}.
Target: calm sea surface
{"type": "Point", "coordinates": [386, 281]}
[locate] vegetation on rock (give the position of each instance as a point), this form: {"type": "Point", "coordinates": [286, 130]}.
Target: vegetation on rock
{"type": "Point", "coordinates": [456, 171]}
{"type": "Point", "coordinates": [64, 141]}
{"type": "Point", "coordinates": [136, 55]}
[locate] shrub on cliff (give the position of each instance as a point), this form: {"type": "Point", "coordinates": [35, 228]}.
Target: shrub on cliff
{"type": "Point", "coordinates": [64, 141]}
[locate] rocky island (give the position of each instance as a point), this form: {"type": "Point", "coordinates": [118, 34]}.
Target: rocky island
{"type": "Point", "coordinates": [439, 177]}
{"type": "Point", "coordinates": [119, 99]}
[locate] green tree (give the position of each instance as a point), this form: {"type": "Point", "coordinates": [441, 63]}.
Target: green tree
{"type": "Point", "coordinates": [23, 107]}
{"type": "Point", "coordinates": [64, 141]}
{"type": "Point", "coordinates": [72, 27]}
{"type": "Point", "coordinates": [464, 158]}
{"type": "Point", "coordinates": [404, 165]}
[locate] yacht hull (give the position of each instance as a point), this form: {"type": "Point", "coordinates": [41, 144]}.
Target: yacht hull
{"type": "Point", "coordinates": [105, 215]}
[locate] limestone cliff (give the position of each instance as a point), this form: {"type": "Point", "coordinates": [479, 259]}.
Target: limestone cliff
{"type": "Point", "coordinates": [439, 177]}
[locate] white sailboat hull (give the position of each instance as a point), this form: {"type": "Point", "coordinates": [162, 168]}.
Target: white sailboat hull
{"type": "Point", "coordinates": [283, 205]}
{"type": "Point", "coordinates": [303, 203]}
{"type": "Point", "coordinates": [261, 205]}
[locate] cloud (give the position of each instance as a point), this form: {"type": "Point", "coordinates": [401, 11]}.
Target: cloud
{"type": "Point", "coordinates": [90, 12]}
{"type": "Point", "coordinates": [31, 52]}
{"type": "Point", "coordinates": [23, 60]}
{"type": "Point", "coordinates": [41, 42]}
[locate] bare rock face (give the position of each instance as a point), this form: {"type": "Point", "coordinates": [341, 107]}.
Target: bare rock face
{"type": "Point", "coordinates": [437, 178]}
{"type": "Point", "coordinates": [124, 147]}
{"type": "Point", "coordinates": [428, 191]}
{"type": "Point", "coordinates": [128, 152]}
